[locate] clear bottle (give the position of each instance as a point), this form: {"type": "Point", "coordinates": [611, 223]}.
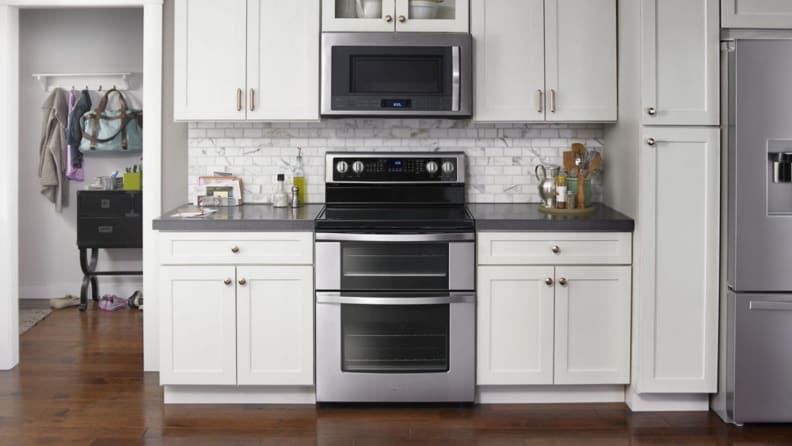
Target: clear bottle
{"type": "Point", "coordinates": [280, 199]}
{"type": "Point", "coordinates": [298, 176]}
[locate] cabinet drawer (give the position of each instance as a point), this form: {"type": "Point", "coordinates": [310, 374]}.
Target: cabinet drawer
{"type": "Point", "coordinates": [260, 248]}
{"type": "Point", "coordinates": [556, 248]}
{"type": "Point", "coordinates": [108, 204]}
{"type": "Point", "coordinates": [110, 232]}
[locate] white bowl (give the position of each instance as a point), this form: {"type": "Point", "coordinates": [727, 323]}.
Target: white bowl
{"type": "Point", "coordinates": [423, 9]}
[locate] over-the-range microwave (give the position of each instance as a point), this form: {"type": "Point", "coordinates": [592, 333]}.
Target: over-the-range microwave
{"type": "Point", "coordinates": [397, 74]}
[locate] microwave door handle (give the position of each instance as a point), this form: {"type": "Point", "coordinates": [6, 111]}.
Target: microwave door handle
{"type": "Point", "coordinates": [456, 76]}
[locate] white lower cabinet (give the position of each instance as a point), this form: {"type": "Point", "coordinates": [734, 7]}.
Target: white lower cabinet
{"type": "Point", "coordinates": [249, 323]}
{"type": "Point", "coordinates": [592, 325]}
{"type": "Point", "coordinates": [553, 324]}
{"type": "Point", "coordinates": [515, 325]}
{"type": "Point", "coordinates": [275, 325]}
{"type": "Point", "coordinates": [198, 330]}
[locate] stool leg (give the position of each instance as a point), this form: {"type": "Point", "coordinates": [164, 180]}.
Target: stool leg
{"type": "Point", "coordinates": [94, 280]}
{"type": "Point", "coordinates": [86, 279]}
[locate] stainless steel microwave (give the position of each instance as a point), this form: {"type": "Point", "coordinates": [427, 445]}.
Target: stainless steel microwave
{"type": "Point", "coordinates": [397, 74]}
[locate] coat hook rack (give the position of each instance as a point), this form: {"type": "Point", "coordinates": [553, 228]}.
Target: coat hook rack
{"type": "Point", "coordinates": [92, 81]}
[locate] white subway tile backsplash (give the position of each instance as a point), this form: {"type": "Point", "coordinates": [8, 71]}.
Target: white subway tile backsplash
{"type": "Point", "coordinates": [501, 157]}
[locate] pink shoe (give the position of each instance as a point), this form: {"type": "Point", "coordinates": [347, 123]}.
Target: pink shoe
{"type": "Point", "coordinates": [112, 303]}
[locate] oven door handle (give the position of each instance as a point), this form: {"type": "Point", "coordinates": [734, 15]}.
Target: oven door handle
{"type": "Point", "coordinates": [452, 298]}
{"type": "Point", "coordinates": [444, 237]}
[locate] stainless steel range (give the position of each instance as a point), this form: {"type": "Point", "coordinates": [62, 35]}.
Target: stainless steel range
{"type": "Point", "coordinates": [395, 280]}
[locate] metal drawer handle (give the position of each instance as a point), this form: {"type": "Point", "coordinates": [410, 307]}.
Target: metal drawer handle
{"type": "Point", "coordinates": [239, 99]}
{"type": "Point", "coordinates": [252, 100]}
{"type": "Point", "coordinates": [556, 249]}
{"type": "Point", "coordinates": [549, 281]}
{"type": "Point", "coordinates": [552, 101]}
{"type": "Point", "coordinates": [337, 298]}
{"type": "Point", "coordinates": [388, 18]}
{"type": "Point", "coordinates": [539, 101]}
{"type": "Point", "coordinates": [402, 19]}
{"type": "Point", "coordinates": [562, 281]}
{"type": "Point", "coordinates": [769, 306]}
{"type": "Point", "coordinates": [651, 141]}
{"type": "Point", "coordinates": [228, 282]}
{"type": "Point", "coordinates": [235, 249]}
{"type": "Point", "coordinates": [651, 111]}
{"type": "Point", "coordinates": [242, 282]}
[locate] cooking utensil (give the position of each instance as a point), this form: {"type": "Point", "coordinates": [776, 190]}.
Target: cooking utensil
{"type": "Point", "coordinates": [596, 162]}
{"type": "Point", "coordinates": [569, 161]}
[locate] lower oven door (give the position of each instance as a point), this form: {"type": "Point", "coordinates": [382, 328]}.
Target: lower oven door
{"type": "Point", "coordinates": [388, 348]}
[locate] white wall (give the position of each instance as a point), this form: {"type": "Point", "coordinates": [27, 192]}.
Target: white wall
{"type": "Point", "coordinates": [68, 40]}
{"type": "Point", "coordinates": [174, 134]}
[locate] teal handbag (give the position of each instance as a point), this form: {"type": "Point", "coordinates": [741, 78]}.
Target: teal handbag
{"type": "Point", "coordinates": [112, 130]}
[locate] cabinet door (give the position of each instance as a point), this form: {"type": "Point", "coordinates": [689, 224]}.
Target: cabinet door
{"type": "Point", "coordinates": [283, 60]}
{"type": "Point", "coordinates": [209, 60]}
{"type": "Point", "coordinates": [197, 325]}
{"type": "Point", "coordinates": [768, 14]}
{"type": "Point", "coordinates": [592, 325]}
{"type": "Point", "coordinates": [515, 325]}
{"type": "Point", "coordinates": [342, 15]}
{"type": "Point", "coordinates": [581, 60]}
{"type": "Point", "coordinates": [275, 325]}
{"type": "Point", "coordinates": [677, 279]}
{"type": "Point", "coordinates": [680, 62]}
{"type": "Point", "coordinates": [509, 60]}
{"type": "Point", "coordinates": [446, 16]}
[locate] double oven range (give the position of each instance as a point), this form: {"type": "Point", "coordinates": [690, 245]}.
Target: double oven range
{"type": "Point", "coordinates": [395, 280]}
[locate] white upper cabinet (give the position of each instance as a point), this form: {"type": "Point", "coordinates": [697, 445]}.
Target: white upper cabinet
{"type": "Point", "coordinates": [544, 60]}
{"type": "Point", "coordinates": [515, 325]}
{"type": "Point", "coordinates": [677, 275]}
{"type": "Point", "coordinates": [395, 15]}
{"type": "Point", "coordinates": [509, 59]}
{"type": "Point", "coordinates": [756, 14]}
{"type": "Point", "coordinates": [246, 60]}
{"type": "Point", "coordinates": [592, 324]}
{"type": "Point", "coordinates": [580, 37]}
{"type": "Point", "coordinates": [680, 62]}
{"type": "Point", "coordinates": [283, 60]}
{"type": "Point", "coordinates": [275, 325]}
{"type": "Point", "coordinates": [209, 66]}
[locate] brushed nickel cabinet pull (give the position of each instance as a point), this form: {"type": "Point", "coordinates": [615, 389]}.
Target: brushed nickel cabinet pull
{"type": "Point", "coordinates": [239, 99]}
{"type": "Point", "coordinates": [402, 19]}
{"type": "Point", "coordinates": [556, 249]}
{"type": "Point", "coordinates": [539, 101]}
{"type": "Point", "coordinates": [562, 281]}
{"type": "Point", "coordinates": [235, 249]}
{"type": "Point", "coordinates": [228, 282]}
{"type": "Point", "coordinates": [549, 281]}
{"type": "Point", "coordinates": [388, 18]}
{"type": "Point", "coordinates": [553, 101]}
{"type": "Point", "coordinates": [651, 111]}
{"type": "Point", "coordinates": [242, 282]}
{"type": "Point", "coordinates": [252, 100]}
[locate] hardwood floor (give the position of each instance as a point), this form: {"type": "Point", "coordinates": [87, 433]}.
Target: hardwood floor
{"type": "Point", "coordinates": [80, 383]}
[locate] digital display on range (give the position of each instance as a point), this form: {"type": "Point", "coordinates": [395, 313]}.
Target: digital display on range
{"type": "Point", "coordinates": [395, 164]}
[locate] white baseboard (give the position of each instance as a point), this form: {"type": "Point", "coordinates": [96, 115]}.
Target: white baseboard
{"type": "Point", "coordinates": [549, 394]}
{"type": "Point", "coordinates": [122, 286]}
{"type": "Point", "coordinates": [239, 395]}
{"type": "Point", "coordinates": [667, 402]}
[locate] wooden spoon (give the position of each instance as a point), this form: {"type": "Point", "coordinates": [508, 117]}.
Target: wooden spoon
{"type": "Point", "coordinates": [579, 150]}
{"type": "Point", "coordinates": [569, 161]}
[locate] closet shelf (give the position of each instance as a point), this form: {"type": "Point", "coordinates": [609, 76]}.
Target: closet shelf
{"type": "Point", "coordinates": [91, 81]}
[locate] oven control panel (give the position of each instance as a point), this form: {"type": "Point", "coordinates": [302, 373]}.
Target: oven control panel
{"type": "Point", "coordinates": [405, 167]}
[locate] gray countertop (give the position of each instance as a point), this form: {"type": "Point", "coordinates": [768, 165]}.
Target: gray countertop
{"type": "Point", "coordinates": [526, 217]}
{"type": "Point", "coordinates": [488, 216]}
{"type": "Point", "coordinates": [248, 217]}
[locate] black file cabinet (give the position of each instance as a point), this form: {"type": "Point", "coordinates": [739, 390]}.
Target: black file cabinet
{"type": "Point", "coordinates": [106, 220]}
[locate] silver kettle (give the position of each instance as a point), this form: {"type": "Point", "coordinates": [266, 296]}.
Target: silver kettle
{"type": "Point", "coordinates": [547, 183]}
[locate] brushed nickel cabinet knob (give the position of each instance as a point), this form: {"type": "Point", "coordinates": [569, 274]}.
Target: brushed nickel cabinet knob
{"type": "Point", "coordinates": [562, 281]}
{"type": "Point", "coordinates": [228, 282]}
{"type": "Point", "coordinates": [235, 249]}
{"type": "Point", "coordinates": [388, 18]}
{"type": "Point", "coordinates": [549, 281]}
{"type": "Point", "coordinates": [556, 249]}
{"type": "Point", "coordinates": [242, 281]}
{"type": "Point", "coordinates": [402, 19]}
{"type": "Point", "coordinates": [651, 111]}
{"type": "Point", "coordinates": [651, 141]}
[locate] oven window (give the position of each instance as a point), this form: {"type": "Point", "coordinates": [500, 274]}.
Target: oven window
{"type": "Point", "coordinates": [394, 338]}
{"type": "Point", "coordinates": [371, 74]}
{"type": "Point", "coordinates": [394, 266]}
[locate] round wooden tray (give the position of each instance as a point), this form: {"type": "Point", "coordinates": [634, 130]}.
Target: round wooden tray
{"type": "Point", "coordinates": [576, 211]}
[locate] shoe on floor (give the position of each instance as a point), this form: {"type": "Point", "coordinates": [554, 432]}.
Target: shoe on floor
{"type": "Point", "coordinates": [64, 302]}
{"type": "Point", "coordinates": [136, 300]}
{"type": "Point", "coordinates": [112, 303]}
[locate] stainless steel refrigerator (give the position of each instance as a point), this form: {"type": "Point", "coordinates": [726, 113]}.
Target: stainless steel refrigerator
{"type": "Point", "coordinates": [755, 374]}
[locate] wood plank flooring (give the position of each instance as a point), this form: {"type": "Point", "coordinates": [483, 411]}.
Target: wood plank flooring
{"type": "Point", "coordinates": [80, 383]}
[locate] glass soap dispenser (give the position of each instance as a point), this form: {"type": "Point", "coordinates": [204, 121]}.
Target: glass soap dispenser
{"type": "Point", "coordinates": [280, 199]}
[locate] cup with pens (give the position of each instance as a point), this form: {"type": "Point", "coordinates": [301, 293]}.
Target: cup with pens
{"type": "Point", "coordinates": [133, 177]}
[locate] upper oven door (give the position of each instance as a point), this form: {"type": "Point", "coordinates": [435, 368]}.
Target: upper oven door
{"type": "Point", "coordinates": [388, 262]}
{"type": "Point", "coordinates": [394, 74]}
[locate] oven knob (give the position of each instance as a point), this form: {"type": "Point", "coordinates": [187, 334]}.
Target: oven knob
{"type": "Point", "coordinates": [448, 167]}
{"type": "Point", "coordinates": [431, 167]}
{"type": "Point", "coordinates": [342, 167]}
{"type": "Point", "coordinates": [357, 167]}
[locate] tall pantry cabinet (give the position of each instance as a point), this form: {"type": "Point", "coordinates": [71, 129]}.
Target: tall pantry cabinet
{"type": "Point", "coordinates": [669, 53]}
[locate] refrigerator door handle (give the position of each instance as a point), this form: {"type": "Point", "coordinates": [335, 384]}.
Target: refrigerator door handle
{"type": "Point", "coordinates": [759, 305]}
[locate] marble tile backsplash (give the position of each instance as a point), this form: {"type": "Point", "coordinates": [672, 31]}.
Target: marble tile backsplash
{"type": "Point", "coordinates": [500, 157]}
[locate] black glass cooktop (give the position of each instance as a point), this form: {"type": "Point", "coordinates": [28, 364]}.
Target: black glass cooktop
{"type": "Point", "coordinates": [384, 218]}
